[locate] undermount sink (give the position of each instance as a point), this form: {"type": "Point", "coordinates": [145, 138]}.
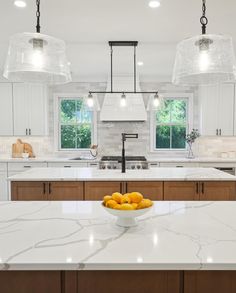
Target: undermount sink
{"type": "Point", "coordinates": [76, 159]}
{"type": "Point", "coordinates": [82, 159]}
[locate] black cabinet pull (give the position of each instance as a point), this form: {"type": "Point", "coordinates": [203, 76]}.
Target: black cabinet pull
{"type": "Point", "coordinates": [220, 132]}
{"type": "Point", "coordinates": [30, 131]}
{"type": "Point", "coordinates": [203, 188]}
{"type": "Point", "coordinates": [217, 131]}
{"type": "Point", "coordinates": [44, 188]}
{"type": "Point", "coordinates": [197, 187]}
{"type": "Point", "coordinates": [50, 188]}
{"type": "Point", "coordinates": [26, 131]}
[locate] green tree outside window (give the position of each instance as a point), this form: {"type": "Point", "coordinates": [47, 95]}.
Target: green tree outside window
{"type": "Point", "coordinates": [75, 124]}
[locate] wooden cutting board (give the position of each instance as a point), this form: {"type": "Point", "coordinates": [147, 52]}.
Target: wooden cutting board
{"type": "Point", "coordinates": [17, 149]}
{"type": "Point", "coordinates": [20, 147]}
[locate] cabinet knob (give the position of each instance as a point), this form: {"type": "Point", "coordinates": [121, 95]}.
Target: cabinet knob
{"type": "Point", "coordinates": [30, 131]}
{"type": "Point", "coordinates": [26, 131]}
{"type": "Point", "coordinates": [217, 131]}
{"type": "Point", "coordinates": [220, 132]}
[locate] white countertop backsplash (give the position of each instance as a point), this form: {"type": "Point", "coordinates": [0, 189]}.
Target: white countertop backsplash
{"type": "Point", "coordinates": [83, 236]}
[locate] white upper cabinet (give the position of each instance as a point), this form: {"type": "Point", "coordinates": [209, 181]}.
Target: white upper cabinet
{"type": "Point", "coordinates": [30, 109]}
{"type": "Point", "coordinates": [217, 109]}
{"type": "Point", "coordinates": [6, 109]}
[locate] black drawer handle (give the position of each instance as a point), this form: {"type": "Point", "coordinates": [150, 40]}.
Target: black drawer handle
{"type": "Point", "coordinates": [27, 166]}
{"type": "Point", "coordinates": [67, 166]}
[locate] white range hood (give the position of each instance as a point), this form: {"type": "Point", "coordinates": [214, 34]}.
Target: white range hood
{"type": "Point", "coordinates": [134, 109]}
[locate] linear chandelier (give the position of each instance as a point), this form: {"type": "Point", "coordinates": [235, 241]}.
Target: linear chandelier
{"type": "Point", "coordinates": [204, 59]}
{"type": "Point", "coordinates": [123, 93]}
{"type": "Point", "coordinates": [37, 58]}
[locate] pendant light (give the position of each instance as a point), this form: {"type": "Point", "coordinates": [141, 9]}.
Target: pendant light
{"type": "Point", "coordinates": [204, 59]}
{"type": "Point", "coordinates": [92, 102]}
{"type": "Point", "coordinates": [37, 58]}
{"type": "Point", "coordinates": [155, 102]}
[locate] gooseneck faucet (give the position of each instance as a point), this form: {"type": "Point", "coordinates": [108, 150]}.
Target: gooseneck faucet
{"type": "Point", "coordinates": [124, 137]}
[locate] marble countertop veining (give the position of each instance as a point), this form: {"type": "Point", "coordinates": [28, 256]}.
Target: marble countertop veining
{"type": "Point", "coordinates": [83, 236]}
{"type": "Point", "coordinates": [92, 174]}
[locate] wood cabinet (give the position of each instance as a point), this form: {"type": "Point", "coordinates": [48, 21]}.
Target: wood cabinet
{"type": "Point", "coordinates": [181, 191]}
{"type": "Point", "coordinates": [208, 190]}
{"type": "Point", "coordinates": [6, 109]}
{"type": "Point", "coordinates": [47, 191]}
{"type": "Point", "coordinates": [65, 191]}
{"type": "Point", "coordinates": [217, 109]}
{"type": "Point", "coordinates": [30, 109]}
{"type": "Point", "coordinates": [136, 281]}
{"type": "Point", "coordinates": [28, 191]}
{"type": "Point", "coordinates": [97, 190]}
{"type": "Point", "coordinates": [209, 281]}
{"type": "Point", "coordinates": [30, 282]}
{"type": "Point", "coordinates": [217, 191]}
{"type": "Point", "coordinates": [151, 190]}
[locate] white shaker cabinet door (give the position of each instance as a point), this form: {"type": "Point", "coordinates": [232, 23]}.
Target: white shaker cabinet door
{"type": "Point", "coordinates": [208, 102]}
{"type": "Point", "coordinates": [226, 110]}
{"type": "Point", "coordinates": [6, 109]}
{"type": "Point", "coordinates": [38, 110]}
{"type": "Point", "coordinates": [21, 109]}
{"type": "Point", "coordinates": [30, 109]}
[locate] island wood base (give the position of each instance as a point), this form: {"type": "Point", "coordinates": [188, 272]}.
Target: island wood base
{"type": "Point", "coordinates": [117, 281]}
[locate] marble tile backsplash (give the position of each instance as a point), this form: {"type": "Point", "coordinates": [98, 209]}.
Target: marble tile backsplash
{"type": "Point", "coordinates": [109, 133]}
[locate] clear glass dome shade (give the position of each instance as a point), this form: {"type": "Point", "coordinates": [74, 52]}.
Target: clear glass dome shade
{"type": "Point", "coordinates": [37, 58]}
{"type": "Point", "coordinates": [205, 59]}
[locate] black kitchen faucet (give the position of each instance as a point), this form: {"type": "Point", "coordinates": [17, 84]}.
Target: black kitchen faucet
{"type": "Point", "coordinates": [124, 137]}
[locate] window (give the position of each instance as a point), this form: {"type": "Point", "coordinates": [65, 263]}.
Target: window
{"type": "Point", "coordinates": [171, 124]}
{"type": "Point", "coordinates": [76, 124]}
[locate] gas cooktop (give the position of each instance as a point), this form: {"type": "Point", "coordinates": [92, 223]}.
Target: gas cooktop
{"type": "Point", "coordinates": [127, 158]}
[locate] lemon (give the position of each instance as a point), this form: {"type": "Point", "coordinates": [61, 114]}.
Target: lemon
{"type": "Point", "coordinates": [111, 204]}
{"type": "Point", "coordinates": [136, 197]}
{"type": "Point", "coordinates": [117, 197]}
{"type": "Point", "coordinates": [106, 198]}
{"type": "Point", "coordinates": [117, 207]}
{"type": "Point", "coordinates": [127, 206]}
{"type": "Point", "coordinates": [135, 205]}
{"type": "Point", "coordinates": [145, 203]}
{"type": "Point", "coordinates": [125, 199]}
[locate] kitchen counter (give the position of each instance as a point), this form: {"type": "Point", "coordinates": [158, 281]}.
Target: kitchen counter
{"type": "Point", "coordinates": [91, 174]}
{"type": "Point", "coordinates": [83, 236]}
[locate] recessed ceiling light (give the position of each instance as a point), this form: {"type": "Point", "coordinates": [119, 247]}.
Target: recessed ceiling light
{"type": "Point", "coordinates": [154, 4]}
{"type": "Point", "coordinates": [20, 3]}
{"type": "Point", "coordinates": [140, 63]}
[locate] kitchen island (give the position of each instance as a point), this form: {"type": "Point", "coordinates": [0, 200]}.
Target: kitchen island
{"type": "Point", "coordinates": [73, 247]}
{"type": "Point", "coordinates": [93, 184]}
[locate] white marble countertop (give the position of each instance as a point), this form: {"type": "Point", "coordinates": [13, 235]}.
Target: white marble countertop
{"type": "Point", "coordinates": [83, 236]}
{"type": "Point", "coordinates": [92, 174]}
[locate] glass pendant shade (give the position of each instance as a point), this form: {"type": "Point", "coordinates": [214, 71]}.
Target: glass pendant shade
{"type": "Point", "coordinates": [37, 58]}
{"type": "Point", "coordinates": [205, 59]}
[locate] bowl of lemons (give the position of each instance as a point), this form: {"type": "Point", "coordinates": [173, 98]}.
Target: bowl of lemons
{"type": "Point", "coordinates": [127, 207]}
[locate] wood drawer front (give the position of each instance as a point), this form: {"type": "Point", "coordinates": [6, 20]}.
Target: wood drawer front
{"type": "Point", "coordinates": [25, 166]}
{"type": "Point", "coordinates": [209, 281]}
{"type": "Point", "coordinates": [180, 191]}
{"type": "Point", "coordinates": [30, 282]}
{"type": "Point", "coordinates": [218, 191]}
{"type": "Point", "coordinates": [136, 282]}
{"type": "Point", "coordinates": [28, 191]}
{"type": "Point", "coordinates": [97, 190]}
{"type": "Point", "coordinates": [65, 191]}
{"type": "Point", "coordinates": [151, 190]}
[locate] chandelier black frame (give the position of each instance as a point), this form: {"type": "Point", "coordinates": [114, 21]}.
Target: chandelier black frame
{"type": "Point", "coordinates": [133, 44]}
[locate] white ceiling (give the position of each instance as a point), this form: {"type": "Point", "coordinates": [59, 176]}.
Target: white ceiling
{"type": "Point", "coordinates": [87, 25]}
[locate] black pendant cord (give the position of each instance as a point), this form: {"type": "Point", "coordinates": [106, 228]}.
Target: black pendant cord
{"type": "Point", "coordinates": [203, 19]}
{"type": "Point", "coordinates": [38, 27]}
